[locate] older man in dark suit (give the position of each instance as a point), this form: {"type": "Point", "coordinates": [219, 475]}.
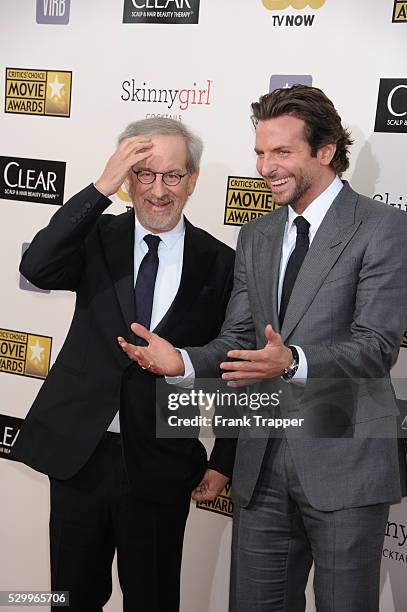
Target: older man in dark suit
{"type": "Point", "coordinates": [130, 491]}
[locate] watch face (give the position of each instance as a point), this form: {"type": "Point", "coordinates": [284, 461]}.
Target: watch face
{"type": "Point", "coordinates": [290, 371]}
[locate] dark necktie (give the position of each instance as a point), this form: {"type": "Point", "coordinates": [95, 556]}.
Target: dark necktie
{"type": "Point", "coordinates": [294, 264]}
{"type": "Point", "coordinates": [145, 283]}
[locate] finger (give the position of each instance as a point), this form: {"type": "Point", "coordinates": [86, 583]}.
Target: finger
{"type": "Point", "coordinates": [240, 366]}
{"type": "Point", "coordinates": [135, 141]}
{"type": "Point", "coordinates": [138, 145]}
{"type": "Point", "coordinates": [133, 159]}
{"type": "Point", "coordinates": [139, 155]}
{"type": "Point", "coordinates": [206, 496]}
{"type": "Point", "coordinates": [134, 352]}
{"type": "Point", "coordinates": [197, 496]}
{"type": "Point", "coordinates": [133, 151]}
{"type": "Point", "coordinates": [245, 355]}
{"type": "Point", "coordinates": [127, 346]}
{"type": "Point", "coordinates": [130, 353]}
{"type": "Point", "coordinates": [199, 491]}
{"type": "Point", "coordinates": [241, 375]}
{"type": "Point", "coordinates": [241, 383]}
{"type": "Point", "coordinates": [272, 337]}
{"type": "Point", "coordinates": [141, 331]}
{"type": "Point", "coordinates": [123, 343]}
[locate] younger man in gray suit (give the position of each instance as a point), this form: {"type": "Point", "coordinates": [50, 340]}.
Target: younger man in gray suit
{"type": "Point", "coordinates": [322, 280]}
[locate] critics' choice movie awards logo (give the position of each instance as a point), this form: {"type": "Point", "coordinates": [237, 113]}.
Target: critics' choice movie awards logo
{"type": "Point", "coordinates": [391, 113]}
{"type": "Point", "coordinates": [285, 81]}
{"type": "Point", "coordinates": [24, 353]}
{"type": "Point", "coordinates": [32, 180]}
{"type": "Point", "coordinates": [53, 11]}
{"type": "Point", "coordinates": [9, 430]}
{"type": "Point", "coordinates": [181, 98]}
{"type": "Point", "coordinates": [161, 11]}
{"type": "Point", "coordinates": [38, 92]}
{"type": "Point", "coordinates": [399, 12]}
{"type": "Point", "coordinates": [294, 19]}
{"type": "Point", "coordinates": [246, 199]}
{"type": "Point", "coordinates": [222, 504]}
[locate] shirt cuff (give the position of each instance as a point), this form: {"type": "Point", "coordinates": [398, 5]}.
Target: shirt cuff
{"type": "Point", "coordinates": [300, 377]}
{"type": "Point", "coordinates": [187, 380]}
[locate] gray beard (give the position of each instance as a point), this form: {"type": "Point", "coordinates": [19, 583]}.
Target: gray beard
{"type": "Point", "coordinates": [155, 224]}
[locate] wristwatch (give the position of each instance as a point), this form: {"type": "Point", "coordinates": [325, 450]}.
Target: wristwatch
{"type": "Point", "coordinates": [289, 372]}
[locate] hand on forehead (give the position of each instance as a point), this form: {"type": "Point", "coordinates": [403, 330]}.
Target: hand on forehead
{"type": "Point", "coordinates": [168, 152]}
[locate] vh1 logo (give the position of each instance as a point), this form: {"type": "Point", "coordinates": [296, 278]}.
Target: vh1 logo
{"type": "Point", "coordinates": [53, 11]}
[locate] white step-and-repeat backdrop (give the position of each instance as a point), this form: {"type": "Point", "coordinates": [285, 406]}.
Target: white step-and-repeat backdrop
{"type": "Point", "coordinates": [73, 73]}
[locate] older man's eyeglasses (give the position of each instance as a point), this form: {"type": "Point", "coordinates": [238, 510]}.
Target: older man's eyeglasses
{"type": "Point", "coordinates": [169, 178]}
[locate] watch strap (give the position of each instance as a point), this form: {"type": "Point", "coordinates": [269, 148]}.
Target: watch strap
{"type": "Point", "coordinates": [290, 372]}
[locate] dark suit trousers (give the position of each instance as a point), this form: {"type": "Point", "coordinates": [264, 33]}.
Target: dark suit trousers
{"type": "Point", "coordinates": [96, 513]}
{"type": "Point", "coordinates": [278, 536]}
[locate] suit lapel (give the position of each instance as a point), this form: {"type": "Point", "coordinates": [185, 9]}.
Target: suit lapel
{"type": "Point", "coordinates": [268, 242]}
{"type": "Point", "coordinates": [334, 233]}
{"type": "Point", "coordinates": [197, 261]}
{"type": "Point", "coordinates": [118, 242]}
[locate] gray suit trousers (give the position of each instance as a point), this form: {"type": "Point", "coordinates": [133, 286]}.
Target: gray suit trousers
{"type": "Point", "coordinates": [276, 538]}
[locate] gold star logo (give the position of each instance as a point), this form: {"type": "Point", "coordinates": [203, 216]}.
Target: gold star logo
{"type": "Point", "coordinates": [38, 356]}
{"type": "Point", "coordinates": [58, 97]}
{"type": "Point", "coordinates": [36, 351]}
{"type": "Point", "coordinates": [56, 87]}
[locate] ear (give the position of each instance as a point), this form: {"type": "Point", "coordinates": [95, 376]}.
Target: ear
{"type": "Point", "coordinates": [192, 182]}
{"type": "Point", "coordinates": [326, 153]}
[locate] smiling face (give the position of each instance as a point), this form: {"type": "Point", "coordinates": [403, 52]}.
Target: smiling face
{"type": "Point", "coordinates": [284, 160]}
{"type": "Point", "coordinates": [159, 207]}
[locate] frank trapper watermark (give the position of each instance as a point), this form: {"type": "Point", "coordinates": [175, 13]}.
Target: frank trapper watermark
{"type": "Point", "coordinates": [185, 412]}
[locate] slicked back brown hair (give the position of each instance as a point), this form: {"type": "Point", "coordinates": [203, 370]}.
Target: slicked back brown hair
{"type": "Point", "coordinates": [322, 123]}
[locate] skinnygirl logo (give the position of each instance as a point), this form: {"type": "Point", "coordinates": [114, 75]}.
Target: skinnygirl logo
{"type": "Point", "coordinates": [184, 98]}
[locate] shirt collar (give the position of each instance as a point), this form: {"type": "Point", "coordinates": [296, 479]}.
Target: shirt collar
{"type": "Point", "coordinates": [169, 238]}
{"type": "Point", "coordinates": [316, 211]}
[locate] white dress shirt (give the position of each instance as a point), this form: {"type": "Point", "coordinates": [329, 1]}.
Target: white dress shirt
{"type": "Point", "coordinates": [170, 255]}
{"type": "Point", "coordinates": [314, 214]}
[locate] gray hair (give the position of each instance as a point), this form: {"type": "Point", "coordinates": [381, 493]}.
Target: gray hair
{"type": "Point", "coordinates": [162, 126]}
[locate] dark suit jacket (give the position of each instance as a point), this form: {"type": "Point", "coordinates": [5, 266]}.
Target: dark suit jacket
{"type": "Point", "coordinates": [92, 254]}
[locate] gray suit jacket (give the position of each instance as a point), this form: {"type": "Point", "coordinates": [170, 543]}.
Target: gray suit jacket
{"type": "Point", "coordinates": [348, 310]}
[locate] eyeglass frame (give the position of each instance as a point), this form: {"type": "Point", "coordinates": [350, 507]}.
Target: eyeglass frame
{"type": "Point", "coordinates": [180, 176]}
